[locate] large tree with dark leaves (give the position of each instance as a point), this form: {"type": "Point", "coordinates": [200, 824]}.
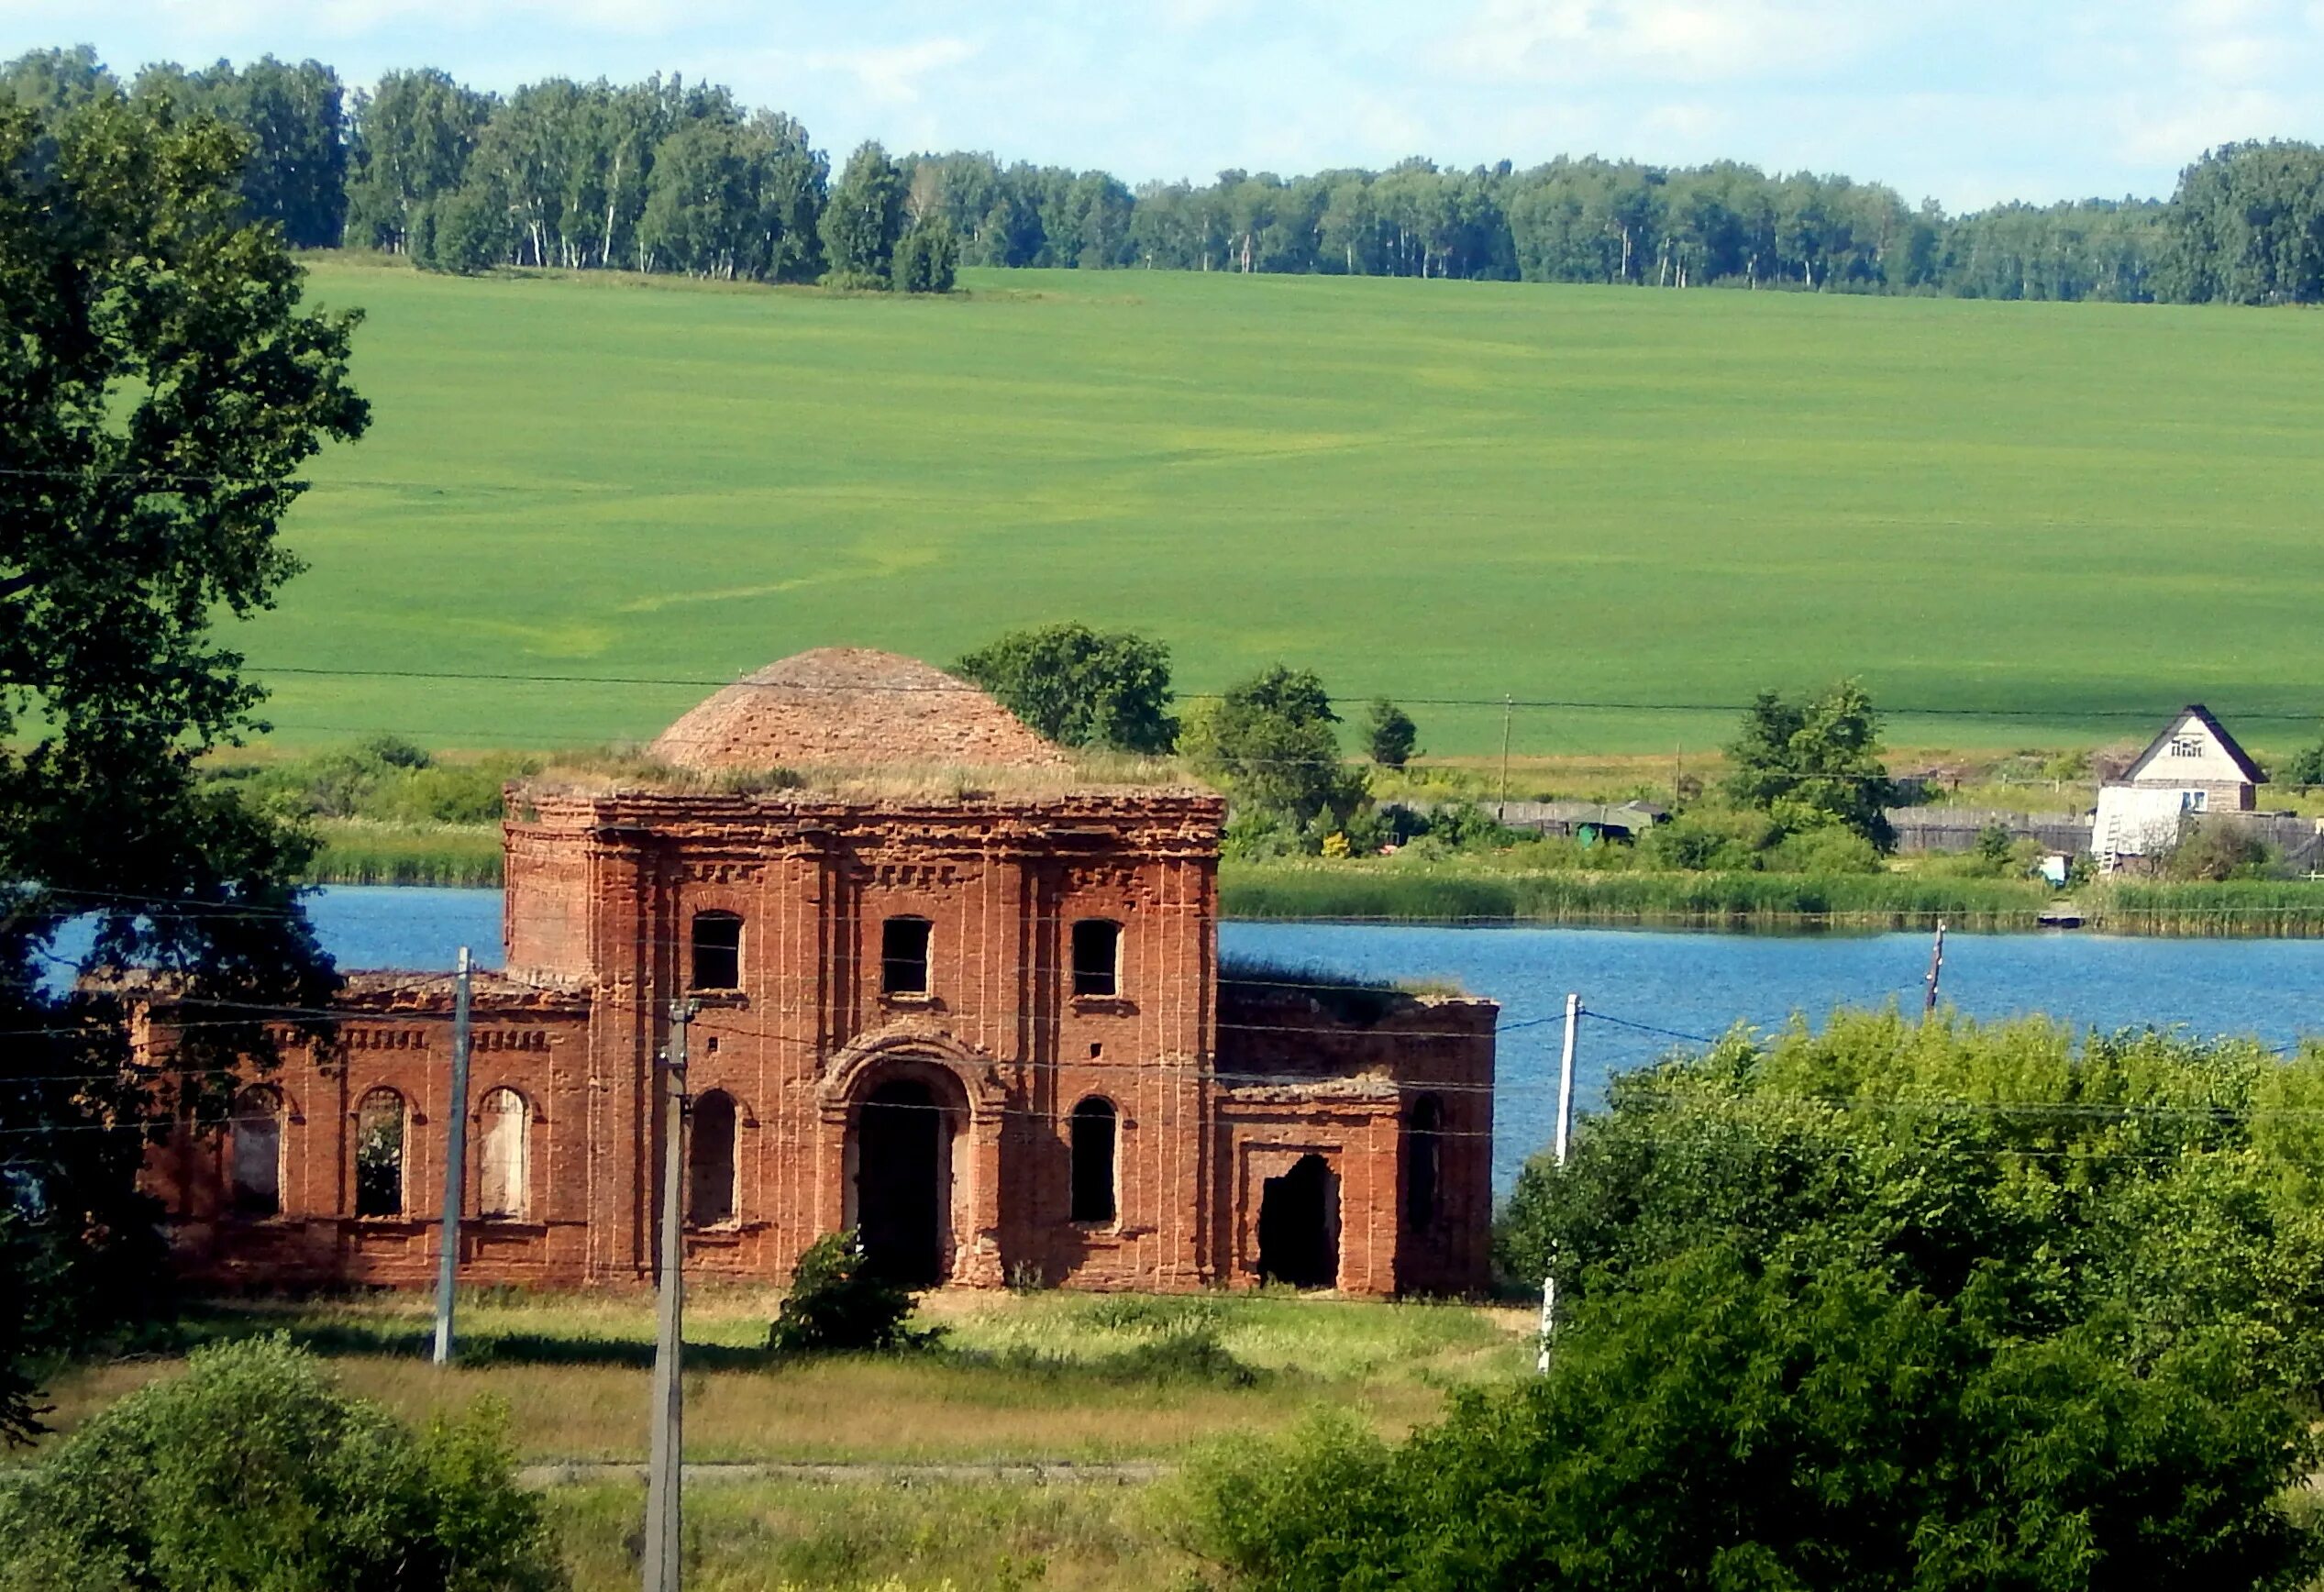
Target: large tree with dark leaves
{"type": "Point", "coordinates": [161, 384]}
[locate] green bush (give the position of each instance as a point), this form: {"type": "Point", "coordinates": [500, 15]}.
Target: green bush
{"type": "Point", "coordinates": [1725, 1424]}
{"type": "Point", "coordinates": [252, 1472]}
{"type": "Point", "coordinates": [1825, 849]}
{"type": "Point", "coordinates": [1891, 1304]}
{"type": "Point", "coordinates": [837, 1302]}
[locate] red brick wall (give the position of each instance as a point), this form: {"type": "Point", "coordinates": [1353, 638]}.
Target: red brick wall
{"type": "Point", "coordinates": [602, 892]}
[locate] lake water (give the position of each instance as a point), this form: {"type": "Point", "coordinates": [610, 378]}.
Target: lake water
{"type": "Point", "coordinates": [1698, 984]}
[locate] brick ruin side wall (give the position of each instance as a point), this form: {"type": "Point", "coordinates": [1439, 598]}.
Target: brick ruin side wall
{"type": "Point", "coordinates": [1299, 1081]}
{"type": "Point", "coordinates": [532, 1042]}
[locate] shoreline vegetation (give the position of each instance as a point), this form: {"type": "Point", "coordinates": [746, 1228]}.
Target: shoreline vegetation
{"type": "Point", "coordinates": [368, 851]}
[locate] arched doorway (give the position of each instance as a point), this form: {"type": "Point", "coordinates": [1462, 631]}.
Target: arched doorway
{"type": "Point", "coordinates": [903, 1181]}
{"type": "Point", "coordinates": [1300, 1226]}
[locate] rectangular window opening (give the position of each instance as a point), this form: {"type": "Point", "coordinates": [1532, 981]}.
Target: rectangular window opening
{"type": "Point", "coordinates": [1097, 957]}
{"type": "Point", "coordinates": [903, 955]}
{"type": "Point", "coordinates": [717, 951]}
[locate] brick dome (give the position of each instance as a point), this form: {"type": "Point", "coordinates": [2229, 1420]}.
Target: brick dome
{"type": "Point", "coordinates": [853, 707]}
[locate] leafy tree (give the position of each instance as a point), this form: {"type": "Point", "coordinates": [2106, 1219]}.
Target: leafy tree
{"type": "Point", "coordinates": [1272, 740]}
{"type": "Point", "coordinates": [1390, 735]}
{"type": "Point", "coordinates": [48, 80]}
{"type": "Point", "coordinates": [414, 134]}
{"type": "Point", "coordinates": [1725, 1425]}
{"type": "Point", "coordinates": [1079, 686]}
{"type": "Point", "coordinates": [1814, 762]}
{"type": "Point", "coordinates": [2306, 767]}
{"type": "Point", "coordinates": [295, 119]}
{"type": "Point", "coordinates": [1893, 1304]}
{"type": "Point", "coordinates": [865, 217]}
{"type": "Point", "coordinates": [928, 258]}
{"type": "Point", "coordinates": [838, 1301]}
{"type": "Point", "coordinates": [252, 1471]}
{"type": "Point", "coordinates": [161, 388]}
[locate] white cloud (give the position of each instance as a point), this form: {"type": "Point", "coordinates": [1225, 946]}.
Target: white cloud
{"type": "Point", "coordinates": [891, 74]}
{"type": "Point", "coordinates": [1677, 40]}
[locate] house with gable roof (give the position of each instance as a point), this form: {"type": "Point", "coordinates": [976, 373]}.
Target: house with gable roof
{"type": "Point", "coordinates": [2193, 767]}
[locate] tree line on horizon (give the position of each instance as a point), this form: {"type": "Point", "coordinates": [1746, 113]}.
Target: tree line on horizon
{"type": "Point", "coordinates": [667, 175]}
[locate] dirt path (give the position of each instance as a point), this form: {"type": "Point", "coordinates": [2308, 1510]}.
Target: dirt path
{"type": "Point", "coordinates": [1121, 1473]}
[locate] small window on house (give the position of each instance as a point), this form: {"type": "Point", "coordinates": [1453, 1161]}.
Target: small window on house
{"type": "Point", "coordinates": [2185, 747]}
{"type": "Point", "coordinates": [1093, 1148]}
{"type": "Point", "coordinates": [501, 1121]}
{"type": "Point", "coordinates": [1423, 1160]}
{"type": "Point", "coordinates": [710, 1160]}
{"type": "Point", "coordinates": [378, 1154]}
{"type": "Point", "coordinates": [2193, 800]}
{"type": "Point", "coordinates": [256, 1169]}
{"type": "Point", "coordinates": [1097, 957]}
{"type": "Point", "coordinates": [717, 951]}
{"type": "Point", "coordinates": [903, 955]}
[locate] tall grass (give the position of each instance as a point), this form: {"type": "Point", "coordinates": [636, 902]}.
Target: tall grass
{"type": "Point", "coordinates": [2287, 907]}
{"type": "Point", "coordinates": [363, 851]}
{"type": "Point", "coordinates": [777, 1536]}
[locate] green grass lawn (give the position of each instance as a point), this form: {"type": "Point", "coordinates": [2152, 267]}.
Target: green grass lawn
{"type": "Point", "coordinates": [1426, 489]}
{"type": "Point", "coordinates": [1051, 1378]}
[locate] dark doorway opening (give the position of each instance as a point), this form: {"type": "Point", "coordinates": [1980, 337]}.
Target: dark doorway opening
{"type": "Point", "coordinates": [903, 1192]}
{"type": "Point", "coordinates": [1423, 1160]}
{"type": "Point", "coordinates": [1299, 1226]}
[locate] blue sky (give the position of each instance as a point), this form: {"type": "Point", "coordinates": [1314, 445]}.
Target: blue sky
{"type": "Point", "coordinates": [1967, 101]}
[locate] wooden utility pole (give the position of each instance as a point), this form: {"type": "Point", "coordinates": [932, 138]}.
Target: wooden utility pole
{"type": "Point", "coordinates": [1501, 814]}
{"type": "Point", "coordinates": [1564, 1133]}
{"type": "Point", "coordinates": [448, 1259]}
{"type": "Point", "coordinates": [663, 1569]}
{"type": "Point", "coordinates": [1936, 972]}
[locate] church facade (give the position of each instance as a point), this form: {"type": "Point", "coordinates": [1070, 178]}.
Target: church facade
{"type": "Point", "coordinates": [987, 1028]}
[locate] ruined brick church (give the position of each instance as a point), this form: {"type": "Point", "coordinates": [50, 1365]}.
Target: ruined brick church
{"type": "Point", "coordinates": [952, 992]}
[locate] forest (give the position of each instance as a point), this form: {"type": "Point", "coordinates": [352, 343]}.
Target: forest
{"type": "Point", "coordinates": [666, 175]}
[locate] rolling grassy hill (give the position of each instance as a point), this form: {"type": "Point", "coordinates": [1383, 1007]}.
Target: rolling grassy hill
{"type": "Point", "coordinates": [1431, 489]}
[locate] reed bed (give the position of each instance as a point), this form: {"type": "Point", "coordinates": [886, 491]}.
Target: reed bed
{"type": "Point", "coordinates": [1404, 894]}
{"type": "Point", "coordinates": [364, 851]}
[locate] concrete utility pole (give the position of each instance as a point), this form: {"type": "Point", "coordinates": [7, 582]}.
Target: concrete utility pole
{"type": "Point", "coordinates": [448, 1261]}
{"type": "Point", "coordinates": [663, 1569]}
{"type": "Point", "coordinates": [1564, 1133]}
{"type": "Point", "coordinates": [1936, 971]}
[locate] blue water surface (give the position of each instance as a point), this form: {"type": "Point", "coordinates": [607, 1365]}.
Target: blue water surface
{"type": "Point", "coordinates": [1690, 983]}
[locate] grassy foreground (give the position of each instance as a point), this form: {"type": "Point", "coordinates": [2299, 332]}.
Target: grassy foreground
{"type": "Point", "coordinates": [1426, 489]}
{"type": "Point", "coordinates": [1048, 1380]}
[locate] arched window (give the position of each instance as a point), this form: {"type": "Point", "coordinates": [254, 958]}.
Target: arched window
{"type": "Point", "coordinates": [1094, 1137]}
{"type": "Point", "coordinates": [1097, 957]}
{"type": "Point", "coordinates": [1423, 1160]}
{"type": "Point", "coordinates": [710, 1160]}
{"type": "Point", "coordinates": [903, 955]}
{"type": "Point", "coordinates": [717, 951]}
{"type": "Point", "coordinates": [255, 1171]}
{"type": "Point", "coordinates": [378, 1154]}
{"type": "Point", "coordinates": [501, 1120]}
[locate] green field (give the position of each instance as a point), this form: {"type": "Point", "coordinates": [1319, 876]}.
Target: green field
{"type": "Point", "coordinates": [1433, 490]}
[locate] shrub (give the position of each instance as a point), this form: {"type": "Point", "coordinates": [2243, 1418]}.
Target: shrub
{"type": "Point", "coordinates": [1707, 840]}
{"type": "Point", "coordinates": [2215, 851]}
{"type": "Point", "coordinates": [927, 257]}
{"type": "Point", "coordinates": [1825, 849]}
{"type": "Point", "coordinates": [838, 1302]}
{"type": "Point", "coordinates": [1723, 1425]}
{"type": "Point", "coordinates": [251, 1470]}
